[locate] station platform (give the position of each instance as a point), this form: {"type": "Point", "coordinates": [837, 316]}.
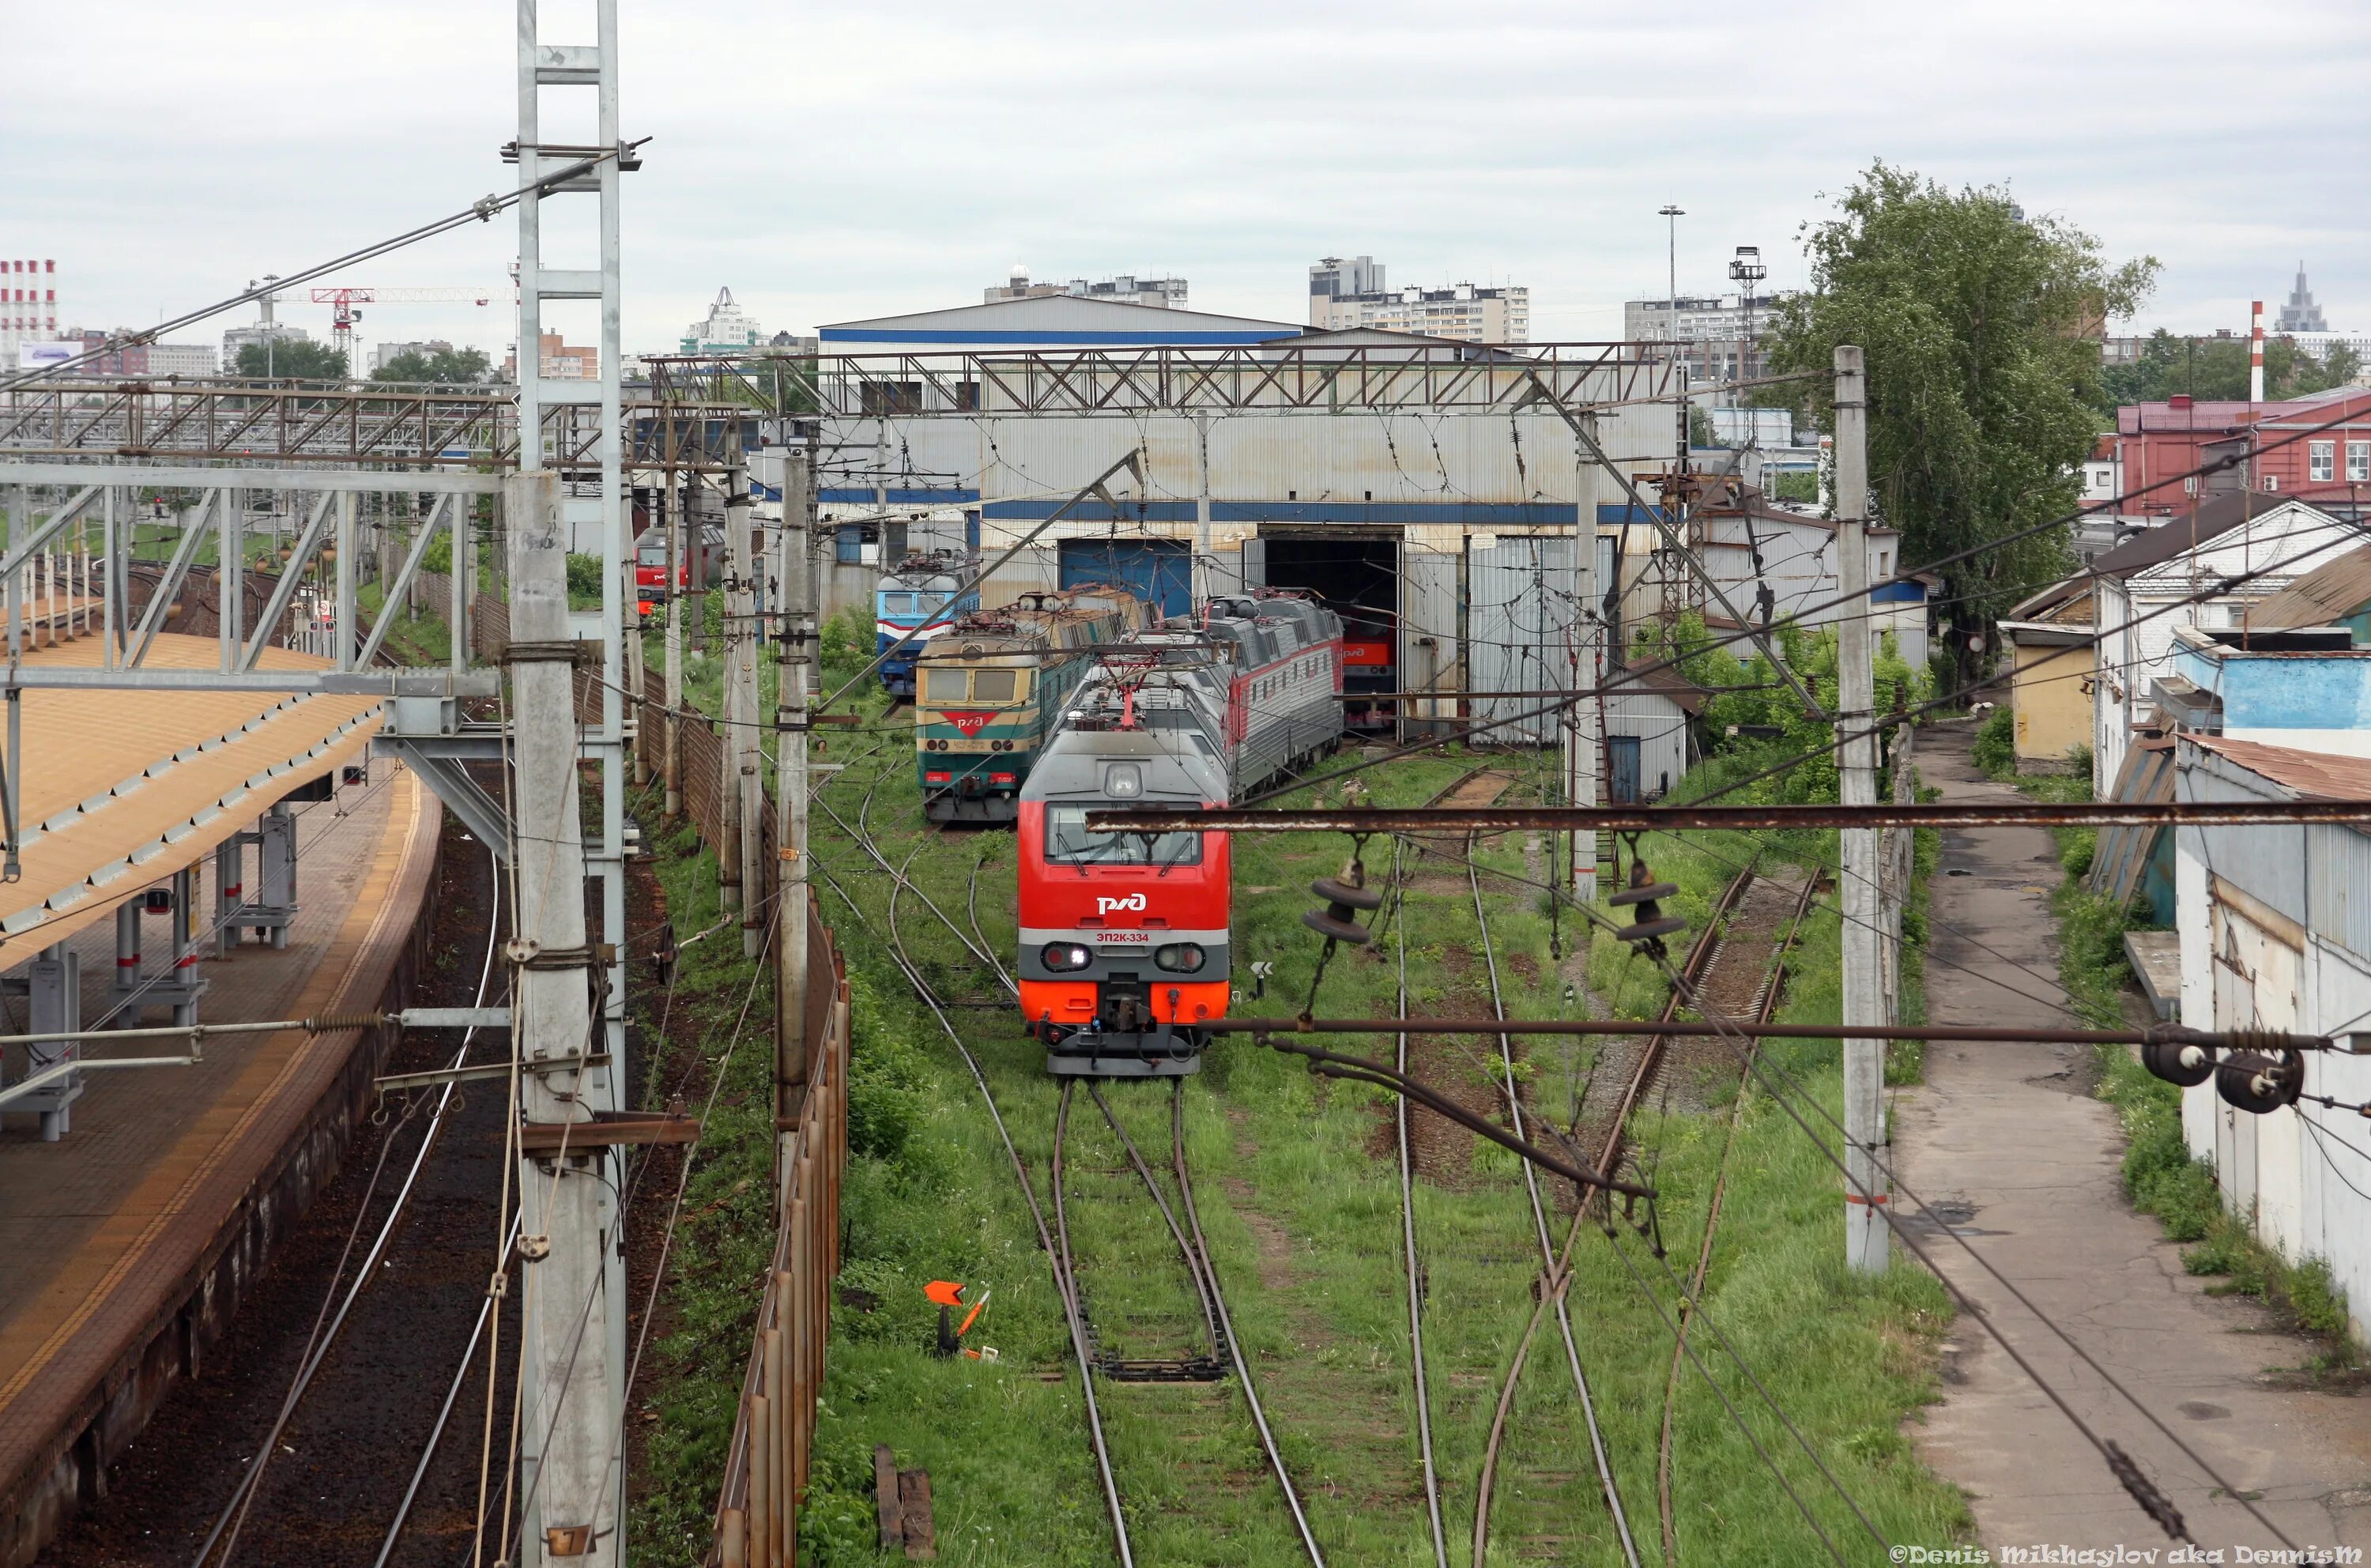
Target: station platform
{"type": "Point", "coordinates": [130, 1239]}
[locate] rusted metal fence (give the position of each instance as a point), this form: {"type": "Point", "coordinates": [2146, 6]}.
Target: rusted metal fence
{"type": "Point", "coordinates": [766, 1470]}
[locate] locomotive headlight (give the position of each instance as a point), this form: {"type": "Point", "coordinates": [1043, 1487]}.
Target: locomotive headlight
{"type": "Point", "coordinates": [1059, 956]}
{"type": "Point", "coordinates": [1179, 958]}
{"type": "Point", "coordinates": [1123, 781]}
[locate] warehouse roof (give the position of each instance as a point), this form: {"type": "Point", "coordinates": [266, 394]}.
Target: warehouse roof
{"type": "Point", "coordinates": [1052, 321]}
{"type": "Point", "coordinates": [2187, 531]}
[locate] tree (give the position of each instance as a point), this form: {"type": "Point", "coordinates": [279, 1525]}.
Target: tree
{"type": "Point", "coordinates": [445, 367]}
{"type": "Point", "coordinates": [2216, 369]}
{"type": "Point", "coordinates": [291, 359]}
{"type": "Point", "coordinates": [1984, 371]}
{"type": "Point", "coordinates": [2341, 363]}
{"type": "Point", "coordinates": [1700, 431]}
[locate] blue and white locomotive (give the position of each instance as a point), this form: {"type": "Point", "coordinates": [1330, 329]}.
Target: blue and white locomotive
{"type": "Point", "coordinates": [920, 593]}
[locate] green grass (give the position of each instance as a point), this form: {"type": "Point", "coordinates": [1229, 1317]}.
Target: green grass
{"type": "Point", "coordinates": [420, 639]}
{"type": "Point", "coordinates": [1301, 1209]}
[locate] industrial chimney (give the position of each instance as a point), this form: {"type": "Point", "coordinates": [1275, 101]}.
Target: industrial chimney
{"type": "Point", "coordinates": [2256, 353]}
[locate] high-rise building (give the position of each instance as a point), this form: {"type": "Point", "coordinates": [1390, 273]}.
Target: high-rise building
{"type": "Point", "coordinates": [1720, 338]}
{"type": "Point", "coordinates": [1161, 293]}
{"type": "Point", "coordinates": [729, 329]}
{"type": "Point", "coordinates": [387, 351]}
{"type": "Point", "coordinates": [1347, 295]}
{"type": "Point", "coordinates": [29, 307]}
{"type": "Point", "coordinates": [559, 361]}
{"type": "Point", "coordinates": [2301, 314]}
{"type": "Point", "coordinates": [1334, 277]}
{"type": "Point", "coordinates": [238, 338]}
{"type": "Point", "coordinates": [141, 360]}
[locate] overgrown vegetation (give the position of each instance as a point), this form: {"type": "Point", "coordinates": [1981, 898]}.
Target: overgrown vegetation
{"type": "Point", "coordinates": [1755, 718]}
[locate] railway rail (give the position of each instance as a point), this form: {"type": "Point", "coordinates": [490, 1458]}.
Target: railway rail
{"type": "Point", "coordinates": [1767, 990]}
{"type": "Point", "coordinates": [1554, 1272]}
{"type": "Point", "coordinates": [1224, 1348]}
{"type": "Point", "coordinates": [1415, 1266]}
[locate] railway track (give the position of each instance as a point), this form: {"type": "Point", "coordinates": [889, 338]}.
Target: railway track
{"type": "Point", "coordinates": [1415, 1266]}
{"type": "Point", "coordinates": [1222, 1352]}
{"type": "Point", "coordinates": [1767, 988]}
{"type": "Point", "coordinates": [1477, 787]}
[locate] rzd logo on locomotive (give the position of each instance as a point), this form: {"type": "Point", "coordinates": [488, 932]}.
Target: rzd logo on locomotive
{"type": "Point", "coordinates": [1134, 901]}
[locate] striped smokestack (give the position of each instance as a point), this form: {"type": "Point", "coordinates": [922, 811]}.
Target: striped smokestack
{"type": "Point", "coordinates": [2256, 353]}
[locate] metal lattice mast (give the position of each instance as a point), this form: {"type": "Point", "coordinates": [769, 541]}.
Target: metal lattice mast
{"type": "Point", "coordinates": [572, 1394]}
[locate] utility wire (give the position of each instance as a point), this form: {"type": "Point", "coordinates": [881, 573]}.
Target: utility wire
{"type": "Point", "coordinates": [481, 211]}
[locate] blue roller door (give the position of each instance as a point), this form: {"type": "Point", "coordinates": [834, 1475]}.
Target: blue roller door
{"type": "Point", "coordinates": [1158, 570]}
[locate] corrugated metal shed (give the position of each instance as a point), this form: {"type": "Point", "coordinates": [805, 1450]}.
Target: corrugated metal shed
{"type": "Point", "coordinates": [2324, 596]}
{"type": "Point", "coordinates": [2121, 858]}
{"type": "Point", "coordinates": [2321, 875]}
{"type": "Point", "coordinates": [2305, 775]}
{"type": "Point", "coordinates": [1654, 708]}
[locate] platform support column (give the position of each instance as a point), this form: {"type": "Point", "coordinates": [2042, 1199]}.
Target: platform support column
{"type": "Point", "coordinates": [230, 890]}
{"type": "Point", "coordinates": [53, 982]}
{"type": "Point", "coordinates": [279, 866]}
{"type": "Point", "coordinates": [126, 983]}
{"type": "Point", "coordinates": [184, 947]}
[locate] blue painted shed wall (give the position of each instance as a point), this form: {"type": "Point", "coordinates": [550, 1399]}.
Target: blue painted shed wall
{"type": "Point", "coordinates": [2292, 692]}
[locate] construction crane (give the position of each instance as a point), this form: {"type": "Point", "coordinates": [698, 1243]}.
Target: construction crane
{"type": "Point", "coordinates": [343, 300]}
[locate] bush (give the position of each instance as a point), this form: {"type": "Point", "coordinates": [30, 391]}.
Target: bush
{"type": "Point", "coordinates": [583, 576]}
{"type": "Point", "coordinates": [1996, 747]}
{"type": "Point", "coordinates": [885, 1075]}
{"type": "Point", "coordinates": [844, 644]}
{"type": "Point", "coordinates": [2075, 849]}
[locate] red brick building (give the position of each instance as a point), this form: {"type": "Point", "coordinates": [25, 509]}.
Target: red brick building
{"type": "Point", "coordinates": [2157, 443]}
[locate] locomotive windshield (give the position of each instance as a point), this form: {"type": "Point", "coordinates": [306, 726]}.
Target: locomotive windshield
{"type": "Point", "coordinates": [1068, 843]}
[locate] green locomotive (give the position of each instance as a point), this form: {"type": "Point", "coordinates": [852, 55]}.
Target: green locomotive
{"type": "Point", "coordinates": [989, 689]}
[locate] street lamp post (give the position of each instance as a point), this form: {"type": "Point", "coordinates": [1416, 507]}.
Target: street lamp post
{"type": "Point", "coordinates": [1672, 213]}
{"type": "Point", "coordinates": [1747, 269]}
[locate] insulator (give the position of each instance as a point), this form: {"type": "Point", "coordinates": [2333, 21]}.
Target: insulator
{"type": "Point", "coordinates": [1649, 925]}
{"type": "Point", "coordinates": [2259, 1082]}
{"type": "Point", "coordinates": [1344, 896]}
{"type": "Point", "coordinates": [2177, 1063]}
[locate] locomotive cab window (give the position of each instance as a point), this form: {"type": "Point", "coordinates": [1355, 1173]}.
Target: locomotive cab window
{"type": "Point", "coordinates": [898, 604]}
{"type": "Point", "coordinates": [943, 683]}
{"type": "Point", "coordinates": [1068, 843]}
{"type": "Point", "coordinates": [995, 686]}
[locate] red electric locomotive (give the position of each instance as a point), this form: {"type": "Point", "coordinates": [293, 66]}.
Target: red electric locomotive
{"type": "Point", "coordinates": [1124, 937]}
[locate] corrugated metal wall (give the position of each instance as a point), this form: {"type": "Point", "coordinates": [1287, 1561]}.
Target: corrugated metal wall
{"type": "Point", "coordinates": [1519, 618]}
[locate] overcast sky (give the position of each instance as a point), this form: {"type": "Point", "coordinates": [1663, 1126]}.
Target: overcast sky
{"type": "Point", "coordinates": [829, 162]}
